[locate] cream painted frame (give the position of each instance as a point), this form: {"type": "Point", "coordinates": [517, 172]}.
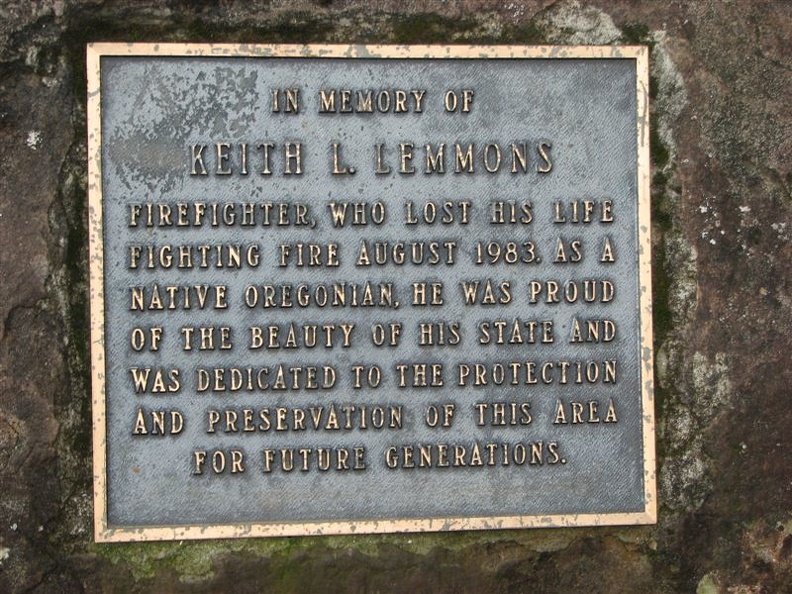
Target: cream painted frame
{"type": "Point", "coordinates": [104, 532]}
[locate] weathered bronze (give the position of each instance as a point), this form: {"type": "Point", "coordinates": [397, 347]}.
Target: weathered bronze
{"type": "Point", "coordinates": [369, 289]}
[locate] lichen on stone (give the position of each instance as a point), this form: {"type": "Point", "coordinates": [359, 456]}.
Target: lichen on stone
{"type": "Point", "coordinates": [568, 22]}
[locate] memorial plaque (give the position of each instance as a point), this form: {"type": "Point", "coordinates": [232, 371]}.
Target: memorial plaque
{"type": "Point", "coordinates": [368, 289]}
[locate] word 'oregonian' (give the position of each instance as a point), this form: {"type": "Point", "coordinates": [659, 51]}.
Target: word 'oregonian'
{"type": "Point", "coordinates": [407, 158]}
{"type": "Point", "coordinates": [157, 297]}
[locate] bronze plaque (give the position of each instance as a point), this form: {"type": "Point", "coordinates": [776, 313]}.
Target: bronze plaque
{"type": "Point", "coordinates": [347, 289]}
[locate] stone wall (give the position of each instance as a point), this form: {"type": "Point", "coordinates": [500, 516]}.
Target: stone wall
{"type": "Point", "coordinates": [721, 75]}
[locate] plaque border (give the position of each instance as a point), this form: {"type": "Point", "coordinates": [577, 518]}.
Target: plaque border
{"type": "Point", "coordinates": [104, 532]}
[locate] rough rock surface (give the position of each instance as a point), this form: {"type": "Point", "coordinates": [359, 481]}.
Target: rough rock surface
{"type": "Point", "coordinates": [722, 197]}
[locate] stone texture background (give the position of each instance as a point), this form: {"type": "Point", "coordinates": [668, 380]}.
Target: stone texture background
{"type": "Point", "coordinates": [722, 197]}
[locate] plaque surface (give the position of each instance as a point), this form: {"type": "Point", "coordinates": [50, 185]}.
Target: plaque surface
{"type": "Point", "coordinates": [369, 289]}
